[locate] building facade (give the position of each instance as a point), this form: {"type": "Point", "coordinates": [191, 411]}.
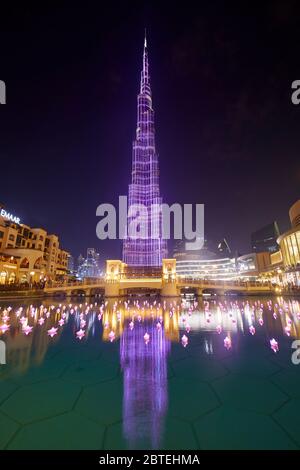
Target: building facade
{"type": "Point", "coordinates": [252, 265]}
{"type": "Point", "coordinates": [290, 248]}
{"type": "Point", "coordinates": [213, 261]}
{"type": "Point", "coordinates": [28, 255]}
{"type": "Point", "coordinates": [265, 239]}
{"type": "Point", "coordinates": [149, 248]}
{"type": "Point", "coordinates": [219, 269]}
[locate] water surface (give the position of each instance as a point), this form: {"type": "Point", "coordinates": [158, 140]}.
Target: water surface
{"type": "Point", "coordinates": [150, 374]}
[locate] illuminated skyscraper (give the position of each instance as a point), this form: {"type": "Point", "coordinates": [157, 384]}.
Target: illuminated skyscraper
{"type": "Point", "coordinates": [148, 249]}
{"type": "Point", "coordinates": [89, 266]}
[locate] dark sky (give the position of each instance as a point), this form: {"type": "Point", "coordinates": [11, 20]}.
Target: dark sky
{"type": "Point", "coordinates": [227, 131]}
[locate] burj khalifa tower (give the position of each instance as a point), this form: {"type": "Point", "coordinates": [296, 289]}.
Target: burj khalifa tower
{"type": "Point", "coordinates": [150, 248]}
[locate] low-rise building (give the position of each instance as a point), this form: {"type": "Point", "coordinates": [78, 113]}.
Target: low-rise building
{"type": "Point", "coordinates": [28, 255]}
{"type": "Point", "coordinates": [290, 248]}
{"type": "Point", "coordinates": [252, 265]}
{"type": "Point", "coordinates": [212, 261]}
{"type": "Point", "coordinates": [217, 269]}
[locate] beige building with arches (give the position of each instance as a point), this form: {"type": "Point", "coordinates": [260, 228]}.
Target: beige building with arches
{"type": "Point", "coordinates": [28, 255]}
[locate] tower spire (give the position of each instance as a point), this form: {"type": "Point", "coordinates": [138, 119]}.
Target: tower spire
{"type": "Point", "coordinates": [145, 78]}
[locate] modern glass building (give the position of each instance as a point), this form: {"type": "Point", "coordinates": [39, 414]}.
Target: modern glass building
{"type": "Point", "coordinates": [210, 262]}
{"type": "Point", "coordinates": [290, 247]}
{"type": "Point", "coordinates": [265, 239]}
{"type": "Point", "coordinates": [220, 269]}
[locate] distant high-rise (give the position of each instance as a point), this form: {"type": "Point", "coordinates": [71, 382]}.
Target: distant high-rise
{"type": "Point", "coordinates": [265, 239]}
{"type": "Point", "coordinates": [71, 264]}
{"type": "Point", "coordinates": [79, 262]}
{"type": "Point", "coordinates": [144, 187]}
{"type": "Point", "coordinates": [223, 247]}
{"type": "Point", "coordinates": [89, 266]}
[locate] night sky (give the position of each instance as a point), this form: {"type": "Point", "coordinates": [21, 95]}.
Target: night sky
{"type": "Point", "coordinates": [227, 131]}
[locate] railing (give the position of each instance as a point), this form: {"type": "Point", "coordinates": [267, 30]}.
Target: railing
{"type": "Point", "coordinates": [144, 275]}
{"type": "Point", "coordinates": [190, 281]}
{"type": "Point", "coordinates": [20, 287]}
{"type": "Point", "coordinates": [291, 289]}
{"type": "Point", "coordinates": [207, 282]}
{"type": "Point", "coordinates": [87, 282]}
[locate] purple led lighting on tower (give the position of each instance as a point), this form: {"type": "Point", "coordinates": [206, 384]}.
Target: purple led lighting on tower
{"type": "Point", "coordinates": [144, 187]}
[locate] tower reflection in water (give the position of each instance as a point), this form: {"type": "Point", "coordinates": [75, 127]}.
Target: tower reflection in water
{"type": "Point", "coordinates": [144, 367]}
{"type": "Point", "coordinates": [145, 331]}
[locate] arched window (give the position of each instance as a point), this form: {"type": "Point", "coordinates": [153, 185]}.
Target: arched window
{"type": "Point", "coordinates": [23, 279]}
{"type": "Point", "coordinates": [12, 278]}
{"type": "Point", "coordinates": [24, 263]}
{"type": "Point", "coordinates": [38, 263]}
{"type": "Point", "coordinates": [3, 277]}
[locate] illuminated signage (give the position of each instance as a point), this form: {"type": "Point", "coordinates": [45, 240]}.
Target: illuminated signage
{"type": "Point", "coordinates": [9, 216]}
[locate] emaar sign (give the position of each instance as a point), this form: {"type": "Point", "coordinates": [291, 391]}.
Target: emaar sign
{"type": "Point", "coordinates": [9, 216]}
{"type": "Point", "coordinates": [2, 92]}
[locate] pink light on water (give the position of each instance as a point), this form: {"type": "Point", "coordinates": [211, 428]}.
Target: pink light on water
{"type": "Point", "coordinates": [274, 345]}
{"type": "Point", "coordinates": [52, 332]}
{"type": "Point", "coordinates": [80, 334]}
